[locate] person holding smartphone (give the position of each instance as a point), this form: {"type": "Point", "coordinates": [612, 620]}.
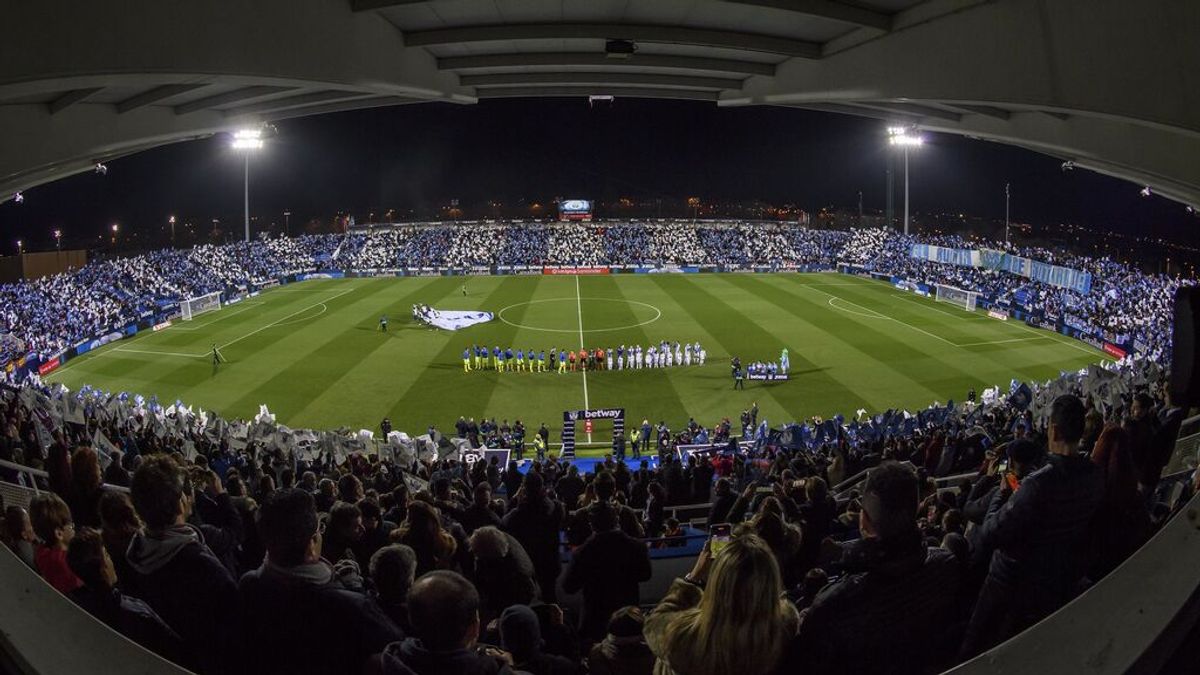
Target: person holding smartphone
{"type": "Point", "coordinates": [727, 616]}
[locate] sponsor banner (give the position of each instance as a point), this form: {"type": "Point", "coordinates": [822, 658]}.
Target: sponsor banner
{"type": "Point", "coordinates": [1114, 350]}
{"type": "Point", "coordinates": [233, 301]}
{"type": "Point", "coordinates": [603, 414]}
{"type": "Point", "coordinates": [777, 377]}
{"type": "Point", "coordinates": [161, 326]}
{"type": "Point", "coordinates": [1098, 344]}
{"type": "Point", "coordinates": [49, 365]}
{"type": "Point", "coordinates": [575, 270]}
{"type": "Point", "coordinates": [997, 314]}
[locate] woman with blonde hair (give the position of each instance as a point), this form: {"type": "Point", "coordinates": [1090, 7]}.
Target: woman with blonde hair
{"type": "Point", "coordinates": [730, 620]}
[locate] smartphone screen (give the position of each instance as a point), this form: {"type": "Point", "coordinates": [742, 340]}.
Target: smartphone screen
{"type": "Point", "coordinates": [718, 537]}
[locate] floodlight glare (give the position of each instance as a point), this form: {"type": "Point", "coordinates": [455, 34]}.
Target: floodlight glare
{"type": "Point", "coordinates": [247, 144]}
{"type": "Point", "coordinates": [905, 139]}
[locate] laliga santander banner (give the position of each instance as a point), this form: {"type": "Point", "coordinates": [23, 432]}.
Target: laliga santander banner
{"type": "Point", "coordinates": [575, 270]}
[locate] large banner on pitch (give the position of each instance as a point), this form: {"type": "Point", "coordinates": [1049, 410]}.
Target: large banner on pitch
{"type": "Point", "coordinates": [454, 320]}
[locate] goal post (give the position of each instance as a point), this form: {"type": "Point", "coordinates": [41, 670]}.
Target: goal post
{"type": "Point", "coordinates": [957, 296]}
{"type": "Point", "coordinates": [193, 307]}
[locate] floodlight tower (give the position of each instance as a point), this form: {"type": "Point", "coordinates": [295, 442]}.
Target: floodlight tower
{"type": "Point", "coordinates": [905, 137]}
{"type": "Point", "coordinates": [247, 141]}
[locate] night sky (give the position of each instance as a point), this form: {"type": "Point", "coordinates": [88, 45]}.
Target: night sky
{"type": "Point", "coordinates": [421, 156]}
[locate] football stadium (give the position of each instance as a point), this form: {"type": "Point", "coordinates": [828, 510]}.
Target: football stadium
{"type": "Point", "coordinates": [653, 337]}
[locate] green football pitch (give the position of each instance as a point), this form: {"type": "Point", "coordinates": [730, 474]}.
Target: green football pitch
{"type": "Point", "coordinates": [314, 354]}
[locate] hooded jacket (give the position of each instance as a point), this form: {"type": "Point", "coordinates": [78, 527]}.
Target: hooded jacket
{"type": "Point", "coordinates": [186, 585]}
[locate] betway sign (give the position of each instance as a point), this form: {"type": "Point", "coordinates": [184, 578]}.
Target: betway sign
{"type": "Point", "coordinates": [603, 414]}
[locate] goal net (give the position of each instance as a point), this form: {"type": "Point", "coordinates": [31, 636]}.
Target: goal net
{"type": "Point", "coordinates": [957, 296]}
{"type": "Point", "coordinates": [193, 307]}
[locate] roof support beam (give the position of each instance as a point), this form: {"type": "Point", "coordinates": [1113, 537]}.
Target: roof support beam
{"type": "Point", "coordinates": [987, 110]}
{"type": "Point", "coordinates": [71, 98]}
{"type": "Point", "coordinates": [842, 109]}
{"type": "Point", "coordinates": [338, 106]}
{"type": "Point", "coordinates": [627, 92]}
{"type": "Point", "coordinates": [364, 5]}
{"type": "Point", "coordinates": [155, 95]}
{"type": "Point", "coordinates": [243, 94]}
{"type": "Point", "coordinates": [298, 101]}
{"type": "Point", "coordinates": [620, 79]}
{"type": "Point", "coordinates": [589, 59]}
{"type": "Point", "coordinates": [707, 37]}
{"type": "Point", "coordinates": [907, 109]}
{"type": "Point", "coordinates": [828, 9]}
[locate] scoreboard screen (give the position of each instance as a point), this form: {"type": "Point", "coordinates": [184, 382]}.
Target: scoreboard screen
{"type": "Point", "coordinates": [575, 209]}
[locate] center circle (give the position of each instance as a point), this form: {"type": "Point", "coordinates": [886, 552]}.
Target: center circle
{"type": "Point", "coordinates": [571, 308]}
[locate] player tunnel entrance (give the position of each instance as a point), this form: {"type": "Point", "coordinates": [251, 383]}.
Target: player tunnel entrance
{"type": "Point", "coordinates": [584, 419]}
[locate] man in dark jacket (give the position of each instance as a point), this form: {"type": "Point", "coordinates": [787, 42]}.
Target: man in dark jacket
{"type": "Point", "coordinates": [722, 502]}
{"type": "Point", "coordinates": [480, 513]}
{"type": "Point", "coordinates": [521, 636]}
{"type": "Point", "coordinates": [175, 572]}
{"type": "Point", "coordinates": [301, 614]}
{"type": "Point", "coordinates": [444, 609]}
{"type": "Point", "coordinates": [890, 611]}
{"type": "Point", "coordinates": [536, 522]}
{"type": "Point", "coordinates": [569, 487]}
{"type": "Point", "coordinates": [1039, 533]}
{"type": "Point", "coordinates": [608, 568]}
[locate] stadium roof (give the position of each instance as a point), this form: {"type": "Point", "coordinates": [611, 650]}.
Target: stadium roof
{"type": "Point", "coordinates": [1079, 79]}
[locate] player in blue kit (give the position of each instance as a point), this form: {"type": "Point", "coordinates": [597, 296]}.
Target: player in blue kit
{"type": "Point", "coordinates": [466, 360]}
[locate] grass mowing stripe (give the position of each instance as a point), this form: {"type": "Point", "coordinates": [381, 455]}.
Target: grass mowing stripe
{"type": "Point", "coordinates": [442, 391]}
{"type": "Point", "coordinates": [644, 394]}
{"type": "Point", "coordinates": [908, 366]}
{"type": "Point", "coordinates": [736, 331]}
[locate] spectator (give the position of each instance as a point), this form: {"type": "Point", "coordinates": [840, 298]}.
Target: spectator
{"type": "Point", "coordinates": [99, 597]}
{"type": "Point", "coordinates": [51, 519]}
{"type": "Point", "coordinates": [722, 502]}
{"type": "Point", "coordinates": [1039, 534]}
{"type": "Point", "coordinates": [624, 650]}
{"type": "Point", "coordinates": [535, 522]}
{"type": "Point", "coordinates": [301, 614]}
{"type": "Point", "coordinates": [521, 636]}
{"type": "Point", "coordinates": [608, 568]}
{"type": "Point", "coordinates": [444, 610]}
{"type": "Point", "coordinates": [781, 536]}
{"type": "Point", "coordinates": [890, 579]}
{"type": "Point", "coordinates": [480, 513]}
{"type": "Point", "coordinates": [376, 531]}
{"type": "Point", "coordinates": [503, 572]}
{"type": "Point", "coordinates": [344, 532]}
{"type": "Point", "coordinates": [175, 572]}
{"type": "Point", "coordinates": [726, 617]}
{"type": "Point", "coordinates": [393, 570]}
{"type": "Point", "coordinates": [21, 539]}
{"type": "Point", "coordinates": [119, 523]}
{"type": "Point", "coordinates": [86, 484]}
{"type": "Point", "coordinates": [422, 530]}
{"type": "Point", "coordinates": [1122, 523]}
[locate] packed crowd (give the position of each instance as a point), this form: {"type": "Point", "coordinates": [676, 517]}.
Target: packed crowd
{"type": "Point", "coordinates": [252, 560]}
{"type": "Point", "coordinates": [49, 314]}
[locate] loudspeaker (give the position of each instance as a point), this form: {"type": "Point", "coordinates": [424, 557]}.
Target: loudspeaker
{"type": "Point", "coordinates": [1185, 366]}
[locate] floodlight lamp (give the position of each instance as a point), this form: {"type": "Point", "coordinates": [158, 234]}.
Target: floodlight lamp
{"type": "Point", "coordinates": [895, 131]}
{"type": "Point", "coordinates": [19, 198]}
{"type": "Point", "coordinates": [248, 133]}
{"type": "Point", "coordinates": [905, 139]}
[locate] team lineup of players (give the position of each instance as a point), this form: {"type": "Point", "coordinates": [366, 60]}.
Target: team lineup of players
{"type": "Point", "coordinates": [663, 355]}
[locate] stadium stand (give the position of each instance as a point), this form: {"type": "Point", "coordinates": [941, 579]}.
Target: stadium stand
{"type": "Point", "coordinates": [901, 547]}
